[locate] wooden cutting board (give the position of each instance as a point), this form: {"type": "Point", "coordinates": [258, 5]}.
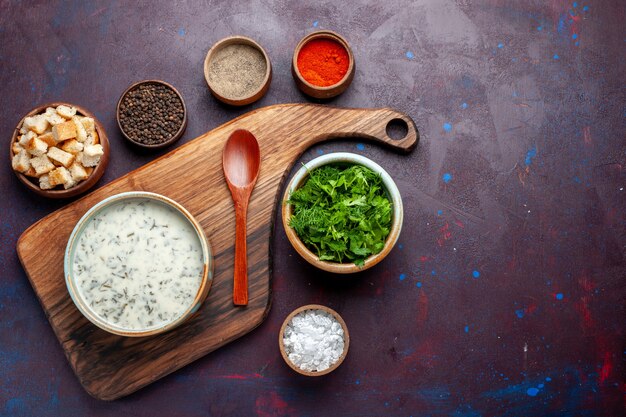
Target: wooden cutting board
{"type": "Point", "coordinates": [110, 366]}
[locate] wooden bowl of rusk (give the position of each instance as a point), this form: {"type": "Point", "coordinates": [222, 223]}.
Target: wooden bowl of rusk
{"type": "Point", "coordinates": [284, 350]}
{"type": "Point", "coordinates": [391, 192]}
{"type": "Point", "coordinates": [323, 91]}
{"type": "Point", "coordinates": [93, 173]}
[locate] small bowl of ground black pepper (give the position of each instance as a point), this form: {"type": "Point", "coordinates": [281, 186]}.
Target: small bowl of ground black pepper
{"type": "Point", "coordinates": [151, 114]}
{"type": "Point", "coordinates": [237, 70]}
{"type": "Point", "coordinates": [323, 64]}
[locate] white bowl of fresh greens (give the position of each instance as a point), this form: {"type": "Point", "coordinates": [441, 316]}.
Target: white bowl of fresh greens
{"type": "Point", "coordinates": [342, 212]}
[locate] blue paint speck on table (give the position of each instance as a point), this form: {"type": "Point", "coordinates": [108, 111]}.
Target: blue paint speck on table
{"type": "Point", "coordinates": [556, 56]}
{"type": "Point", "coordinates": [315, 24]}
{"type": "Point", "coordinates": [400, 246]}
{"type": "Point", "coordinates": [586, 8]}
{"type": "Point", "coordinates": [433, 272]}
{"type": "Point", "coordinates": [519, 313]}
{"type": "Point", "coordinates": [439, 212]}
{"type": "Point", "coordinates": [447, 177]}
{"type": "Point", "coordinates": [532, 391]}
{"type": "Point", "coordinates": [181, 32]}
{"type": "Point", "coordinates": [476, 274]}
{"type": "Point", "coordinates": [402, 277]}
{"type": "Point", "coordinates": [357, 382]}
{"type": "Point", "coordinates": [576, 43]}
{"type": "Point", "coordinates": [418, 284]}
{"type": "Point", "coordinates": [548, 379]}
{"type": "Point", "coordinates": [575, 5]}
{"type": "Point", "coordinates": [559, 296]}
{"type": "Point", "coordinates": [539, 28]}
{"type": "Point", "coordinates": [530, 155]}
{"type": "Point", "coordinates": [447, 127]}
{"type": "Point", "coordinates": [540, 386]}
{"type": "Point", "coordinates": [320, 152]}
{"type": "Point", "coordinates": [360, 146]}
{"type": "Point", "coordinates": [574, 36]}
{"type": "Point", "coordinates": [466, 328]}
{"type": "Point", "coordinates": [500, 45]}
{"type": "Point", "coordinates": [464, 105]}
{"type": "Point", "coordinates": [410, 55]}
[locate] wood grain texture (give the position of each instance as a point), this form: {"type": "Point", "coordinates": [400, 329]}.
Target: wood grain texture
{"type": "Point", "coordinates": [110, 366]}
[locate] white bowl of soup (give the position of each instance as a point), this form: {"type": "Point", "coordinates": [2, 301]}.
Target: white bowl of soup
{"type": "Point", "coordinates": [138, 264]}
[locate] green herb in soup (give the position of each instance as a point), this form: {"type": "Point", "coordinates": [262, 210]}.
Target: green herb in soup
{"type": "Point", "coordinates": [342, 214]}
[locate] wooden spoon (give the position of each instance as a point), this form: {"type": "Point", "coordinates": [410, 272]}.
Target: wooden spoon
{"type": "Point", "coordinates": [241, 161]}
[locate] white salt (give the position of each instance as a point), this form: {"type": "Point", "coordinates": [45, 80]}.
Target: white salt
{"type": "Point", "coordinates": [313, 340]}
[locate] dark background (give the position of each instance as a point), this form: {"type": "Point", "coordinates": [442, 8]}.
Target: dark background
{"type": "Point", "coordinates": [521, 103]}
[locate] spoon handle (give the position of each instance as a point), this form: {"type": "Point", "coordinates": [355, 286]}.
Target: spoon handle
{"type": "Point", "coordinates": [240, 283]}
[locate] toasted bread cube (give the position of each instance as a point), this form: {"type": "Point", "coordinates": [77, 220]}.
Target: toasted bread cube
{"type": "Point", "coordinates": [93, 150]}
{"type": "Point", "coordinates": [61, 176]}
{"type": "Point", "coordinates": [37, 123]}
{"type": "Point", "coordinates": [54, 119]}
{"type": "Point", "coordinates": [87, 161]}
{"type": "Point", "coordinates": [21, 161]}
{"type": "Point", "coordinates": [44, 182]}
{"type": "Point", "coordinates": [66, 111]}
{"type": "Point", "coordinates": [78, 172]}
{"type": "Point", "coordinates": [37, 147]}
{"type": "Point", "coordinates": [64, 131]}
{"type": "Point", "coordinates": [81, 133]}
{"type": "Point", "coordinates": [31, 172]}
{"type": "Point", "coordinates": [16, 148]}
{"type": "Point", "coordinates": [72, 146]}
{"type": "Point", "coordinates": [48, 137]}
{"type": "Point", "coordinates": [57, 155]}
{"type": "Point", "coordinates": [92, 138]}
{"type": "Point", "coordinates": [89, 124]}
{"type": "Point", "coordinates": [42, 165]}
{"type": "Point", "coordinates": [26, 138]}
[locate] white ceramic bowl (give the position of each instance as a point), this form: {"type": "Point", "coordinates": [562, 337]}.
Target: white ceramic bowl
{"type": "Point", "coordinates": [73, 287]}
{"type": "Point", "coordinates": [392, 191]}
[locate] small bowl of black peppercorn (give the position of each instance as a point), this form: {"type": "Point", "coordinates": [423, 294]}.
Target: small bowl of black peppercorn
{"type": "Point", "coordinates": [151, 114]}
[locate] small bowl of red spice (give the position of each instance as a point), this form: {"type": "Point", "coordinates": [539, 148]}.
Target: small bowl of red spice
{"type": "Point", "coordinates": [323, 64]}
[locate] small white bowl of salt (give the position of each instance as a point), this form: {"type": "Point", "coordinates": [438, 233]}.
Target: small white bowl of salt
{"type": "Point", "coordinates": [314, 340]}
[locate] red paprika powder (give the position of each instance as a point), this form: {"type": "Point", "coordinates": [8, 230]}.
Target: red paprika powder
{"type": "Point", "coordinates": [323, 62]}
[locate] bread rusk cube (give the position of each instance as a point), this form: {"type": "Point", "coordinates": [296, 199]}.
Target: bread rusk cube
{"type": "Point", "coordinates": [66, 111]}
{"type": "Point", "coordinates": [81, 133]}
{"type": "Point", "coordinates": [72, 146]}
{"type": "Point", "coordinates": [54, 119]}
{"type": "Point", "coordinates": [31, 172]}
{"type": "Point", "coordinates": [78, 172]}
{"type": "Point", "coordinates": [37, 123]}
{"type": "Point", "coordinates": [61, 176]}
{"type": "Point", "coordinates": [42, 165]}
{"type": "Point", "coordinates": [21, 161]}
{"type": "Point", "coordinates": [64, 131]}
{"type": "Point", "coordinates": [16, 148]}
{"type": "Point", "coordinates": [57, 155]}
{"type": "Point", "coordinates": [89, 124]}
{"type": "Point", "coordinates": [26, 137]}
{"type": "Point", "coordinates": [92, 138]}
{"type": "Point", "coordinates": [44, 182]}
{"type": "Point", "coordinates": [36, 147]}
{"type": "Point", "coordinates": [48, 138]}
{"type": "Point", "coordinates": [93, 150]}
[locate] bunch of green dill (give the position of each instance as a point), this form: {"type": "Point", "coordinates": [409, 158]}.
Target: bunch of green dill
{"type": "Point", "coordinates": [342, 214]}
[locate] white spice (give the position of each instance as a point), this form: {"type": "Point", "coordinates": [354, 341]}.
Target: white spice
{"type": "Point", "coordinates": [313, 340]}
{"type": "Point", "coordinates": [138, 264]}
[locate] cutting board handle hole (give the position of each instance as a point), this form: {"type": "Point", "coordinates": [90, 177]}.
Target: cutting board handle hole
{"type": "Point", "coordinates": [397, 129]}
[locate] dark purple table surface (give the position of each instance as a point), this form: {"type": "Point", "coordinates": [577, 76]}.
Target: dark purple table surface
{"type": "Point", "coordinates": [505, 294]}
